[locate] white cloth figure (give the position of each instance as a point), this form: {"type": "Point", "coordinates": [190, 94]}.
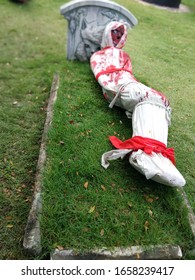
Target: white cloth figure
{"type": "Point", "coordinates": [149, 108]}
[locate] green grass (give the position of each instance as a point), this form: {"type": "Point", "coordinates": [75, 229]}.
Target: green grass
{"type": "Point", "coordinates": [119, 207]}
{"type": "Point", "coordinates": [28, 60]}
{"type": "Point", "coordinates": [87, 207]}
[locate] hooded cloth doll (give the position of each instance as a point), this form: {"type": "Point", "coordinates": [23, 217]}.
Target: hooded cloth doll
{"type": "Point", "coordinates": [149, 109]}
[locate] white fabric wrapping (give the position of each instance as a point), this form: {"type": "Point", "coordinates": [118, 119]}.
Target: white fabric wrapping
{"type": "Point", "coordinates": [112, 155]}
{"type": "Point", "coordinates": [157, 168]}
{"type": "Point", "coordinates": [151, 120]}
{"type": "Point", "coordinates": [154, 125]}
{"type": "Point", "coordinates": [150, 108]}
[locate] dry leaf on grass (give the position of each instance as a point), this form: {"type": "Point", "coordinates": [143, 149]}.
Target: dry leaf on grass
{"type": "Point", "coordinates": [59, 247]}
{"type": "Point", "coordinates": [9, 226]}
{"type": "Point", "coordinates": [146, 226]}
{"type": "Point", "coordinates": [150, 212]}
{"type": "Point", "coordinates": [8, 218]}
{"type": "Point", "coordinates": [91, 209]}
{"type": "Point", "coordinates": [150, 198]}
{"type": "Point", "coordinates": [130, 204]}
{"type": "Point", "coordinates": [86, 184]}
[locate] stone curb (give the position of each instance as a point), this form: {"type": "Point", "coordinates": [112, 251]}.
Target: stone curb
{"type": "Point", "coordinates": [159, 252]}
{"type": "Point", "coordinates": [32, 236]}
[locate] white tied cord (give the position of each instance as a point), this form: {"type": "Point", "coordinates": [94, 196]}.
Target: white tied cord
{"type": "Point", "coordinates": [138, 85]}
{"type": "Point", "coordinates": [118, 93]}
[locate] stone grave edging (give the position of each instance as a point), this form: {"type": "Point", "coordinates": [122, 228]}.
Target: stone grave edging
{"type": "Point", "coordinates": [32, 237]}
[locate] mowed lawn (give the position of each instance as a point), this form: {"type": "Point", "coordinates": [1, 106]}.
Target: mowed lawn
{"type": "Point", "coordinates": [85, 206]}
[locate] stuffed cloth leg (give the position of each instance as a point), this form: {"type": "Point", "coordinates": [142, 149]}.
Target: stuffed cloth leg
{"type": "Point", "coordinates": [151, 121]}
{"type": "Point", "coordinates": [147, 148]}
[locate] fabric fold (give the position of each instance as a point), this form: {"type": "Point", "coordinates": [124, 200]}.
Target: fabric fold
{"type": "Point", "coordinates": [145, 144]}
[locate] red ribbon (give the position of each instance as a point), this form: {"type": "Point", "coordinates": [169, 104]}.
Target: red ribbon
{"type": "Point", "coordinates": [148, 145]}
{"type": "Point", "coordinates": [111, 70]}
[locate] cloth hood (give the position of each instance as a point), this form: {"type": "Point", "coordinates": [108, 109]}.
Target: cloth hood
{"type": "Point", "coordinates": [110, 30]}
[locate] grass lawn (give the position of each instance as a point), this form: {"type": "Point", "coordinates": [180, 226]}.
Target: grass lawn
{"type": "Point", "coordinates": [31, 51]}
{"type": "Point", "coordinates": [85, 206]}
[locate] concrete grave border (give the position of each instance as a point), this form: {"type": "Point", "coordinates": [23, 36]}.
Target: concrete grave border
{"type": "Point", "coordinates": [158, 252]}
{"type": "Point", "coordinates": [32, 237]}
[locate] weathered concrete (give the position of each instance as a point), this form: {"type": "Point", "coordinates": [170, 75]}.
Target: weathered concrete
{"type": "Point", "coordinates": [32, 236]}
{"type": "Point", "coordinates": [86, 22]}
{"type": "Point", "coordinates": [191, 215]}
{"type": "Point", "coordinates": [159, 252]}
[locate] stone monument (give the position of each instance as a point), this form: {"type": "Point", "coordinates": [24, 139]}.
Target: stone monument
{"type": "Point", "coordinates": [86, 22]}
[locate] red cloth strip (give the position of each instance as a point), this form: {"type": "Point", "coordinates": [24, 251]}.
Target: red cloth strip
{"type": "Point", "coordinates": [148, 145]}
{"type": "Point", "coordinates": [111, 70]}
